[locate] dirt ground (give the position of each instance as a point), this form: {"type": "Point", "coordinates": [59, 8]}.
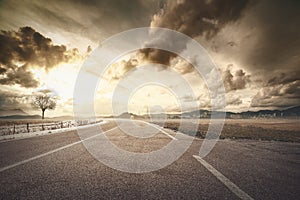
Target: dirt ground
{"type": "Point", "coordinates": [255, 129]}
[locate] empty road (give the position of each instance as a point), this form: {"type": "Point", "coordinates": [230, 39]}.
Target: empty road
{"type": "Point", "coordinates": [60, 166]}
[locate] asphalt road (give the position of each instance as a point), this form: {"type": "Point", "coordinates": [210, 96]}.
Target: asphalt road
{"type": "Point", "coordinates": [59, 166]}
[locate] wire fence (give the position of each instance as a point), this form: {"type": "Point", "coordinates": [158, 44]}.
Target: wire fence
{"type": "Point", "coordinates": [35, 127]}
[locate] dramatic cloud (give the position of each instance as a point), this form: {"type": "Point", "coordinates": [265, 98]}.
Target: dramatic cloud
{"type": "Point", "coordinates": [279, 95]}
{"type": "Point", "coordinates": [277, 42]}
{"type": "Point", "coordinates": [265, 38]}
{"type": "Point", "coordinates": [27, 48]}
{"type": "Point", "coordinates": [266, 43]}
{"type": "Point", "coordinates": [118, 69]}
{"type": "Point", "coordinates": [194, 18]}
{"type": "Point", "coordinates": [260, 39]}
{"type": "Point", "coordinates": [13, 100]}
{"type": "Point", "coordinates": [235, 81]}
{"type": "Point", "coordinates": [232, 100]}
{"type": "Point", "coordinates": [18, 75]}
{"type": "Point", "coordinates": [282, 78]}
{"type": "Point", "coordinates": [275, 54]}
{"type": "Point", "coordinates": [181, 66]}
{"type": "Point", "coordinates": [80, 19]}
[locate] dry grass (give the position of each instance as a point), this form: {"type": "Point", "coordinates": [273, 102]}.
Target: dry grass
{"type": "Point", "coordinates": [9, 122]}
{"type": "Point", "coordinates": [277, 130]}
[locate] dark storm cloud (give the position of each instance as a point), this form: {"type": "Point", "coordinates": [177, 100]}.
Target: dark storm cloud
{"type": "Point", "coordinates": [157, 56]}
{"type": "Point", "coordinates": [278, 33]}
{"type": "Point", "coordinates": [276, 57]}
{"type": "Point", "coordinates": [94, 19]}
{"type": "Point", "coordinates": [194, 18]}
{"type": "Point", "coordinates": [13, 100]}
{"type": "Point", "coordinates": [19, 75]}
{"type": "Point", "coordinates": [282, 78]}
{"type": "Point", "coordinates": [25, 48]}
{"type": "Point", "coordinates": [266, 43]}
{"type": "Point", "coordinates": [279, 95]}
{"type": "Point", "coordinates": [266, 38]}
{"type": "Point", "coordinates": [277, 36]}
{"type": "Point", "coordinates": [235, 80]}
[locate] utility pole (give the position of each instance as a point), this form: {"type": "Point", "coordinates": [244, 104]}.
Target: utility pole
{"type": "Point", "coordinates": [148, 112]}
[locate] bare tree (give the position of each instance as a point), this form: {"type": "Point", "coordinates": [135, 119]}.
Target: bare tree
{"type": "Point", "coordinates": [44, 102]}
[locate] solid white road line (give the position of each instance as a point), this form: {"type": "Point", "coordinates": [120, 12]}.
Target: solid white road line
{"type": "Point", "coordinates": [50, 152]}
{"type": "Point", "coordinates": [230, 185]}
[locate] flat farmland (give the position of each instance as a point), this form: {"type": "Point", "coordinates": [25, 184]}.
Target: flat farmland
{"type": "Point", "coordinates": [287, 130]}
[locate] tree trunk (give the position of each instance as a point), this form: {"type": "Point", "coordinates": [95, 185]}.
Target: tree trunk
{"type": "Point", "coordinates": [43, 114]}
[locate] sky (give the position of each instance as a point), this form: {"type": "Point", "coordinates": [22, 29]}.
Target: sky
{"type": "Point", "coordinates": [255, 46]}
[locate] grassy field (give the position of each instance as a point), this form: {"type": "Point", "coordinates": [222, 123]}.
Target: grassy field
{"type": "Point", "coordinates": [254, 129]}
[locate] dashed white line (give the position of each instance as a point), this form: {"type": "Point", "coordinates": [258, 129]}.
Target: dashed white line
{"type": "Point", "coordinates": [50, 152]}
{"type": "Point", "coordinates": [230, 185]}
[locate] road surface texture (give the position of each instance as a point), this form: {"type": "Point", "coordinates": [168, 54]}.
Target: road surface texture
{"type": "Point", "coordinates": [58, 166]}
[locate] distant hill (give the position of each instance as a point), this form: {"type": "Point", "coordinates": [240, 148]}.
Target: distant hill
{"type": "Point", "coordinates": [125, 115]}
{"type": "Point", "coordinates": [287, 113]}
{"type": "Point", "coordinates": [16, 114]}
{"type": "Point", "coordinates": [10, 112]}
{"type": "Point", "coordinates": [294, 111]}
{"type": "Point", "coordinates": [20, 114]}
{"type": "Point", "coordinates": [21, 117]}
{"type": "Point", "coordinates": [290, 112]}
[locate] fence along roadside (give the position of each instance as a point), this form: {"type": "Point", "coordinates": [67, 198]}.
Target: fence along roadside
{"type": "Point", "coordinates": [34, 127]}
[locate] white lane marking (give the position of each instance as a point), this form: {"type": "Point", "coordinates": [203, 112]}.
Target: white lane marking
{"type": "Point", "coordinates": [230, 185]}
{"type": "Point", "coordinates": [50, 152]}
{"type": "Point", "coordinates": [158, 128]}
